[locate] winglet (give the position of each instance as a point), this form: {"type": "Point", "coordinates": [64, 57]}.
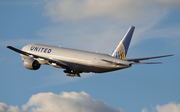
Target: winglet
{"type": "Point", "coordinates": [121, 49]}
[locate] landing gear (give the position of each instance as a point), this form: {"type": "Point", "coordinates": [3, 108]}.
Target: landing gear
{"type": "Point", "coordinates": [72, 73]}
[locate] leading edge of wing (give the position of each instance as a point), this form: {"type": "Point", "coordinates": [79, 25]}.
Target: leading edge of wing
{"type": "Point", "coordinates": [58, 62]}
{"type": "Point", "coordinates": [147, 58]}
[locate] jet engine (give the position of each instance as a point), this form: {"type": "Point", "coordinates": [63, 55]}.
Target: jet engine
{"type": "Point", "coordinates": [31, 64]}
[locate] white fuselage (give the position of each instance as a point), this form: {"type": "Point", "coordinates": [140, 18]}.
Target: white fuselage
{"type": "Point", "coordinates": [78, 60]}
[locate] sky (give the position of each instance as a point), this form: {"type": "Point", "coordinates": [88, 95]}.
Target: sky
{"type": "Point", "coordinates": [91, 25]}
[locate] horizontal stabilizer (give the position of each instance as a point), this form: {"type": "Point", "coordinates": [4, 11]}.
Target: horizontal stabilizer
{"type": "Point", "coordinates": [115, 63]}
{"type": "Point", "coordinates": [147, 63]}
{"type": "Point", "coordinates": [147, 58]}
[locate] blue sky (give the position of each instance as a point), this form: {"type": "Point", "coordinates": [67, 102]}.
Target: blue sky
{"type": "Point", "coordinates": [92, 25]}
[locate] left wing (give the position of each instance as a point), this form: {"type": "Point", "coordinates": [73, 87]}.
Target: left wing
{"type": "Point", "coordinates": [57, 62]}
{"type": "Point", "coordinates": [136, 60]}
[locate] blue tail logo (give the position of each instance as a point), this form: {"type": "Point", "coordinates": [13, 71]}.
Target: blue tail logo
{"type": "Point", "coordinates": [121, 49]}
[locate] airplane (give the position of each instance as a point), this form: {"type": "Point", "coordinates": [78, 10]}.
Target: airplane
{"type": "Point", "coordinates": [77, 61]}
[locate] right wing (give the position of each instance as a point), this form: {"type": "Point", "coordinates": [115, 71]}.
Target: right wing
{"type": "Point", "coordinates": [57, 62]}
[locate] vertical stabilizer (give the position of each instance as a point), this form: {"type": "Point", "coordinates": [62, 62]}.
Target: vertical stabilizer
{"type": "Point", "coordinates": [121, 49]}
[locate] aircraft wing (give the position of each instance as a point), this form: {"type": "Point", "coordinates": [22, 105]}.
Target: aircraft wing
{"type": "Point", "coordinates": [136, 60]}
{"type": "Point", "coordinates": [57, 62]}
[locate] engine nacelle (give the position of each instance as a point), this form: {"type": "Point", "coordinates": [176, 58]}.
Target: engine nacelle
{"type": "Point", "coordinates": [31, 64]}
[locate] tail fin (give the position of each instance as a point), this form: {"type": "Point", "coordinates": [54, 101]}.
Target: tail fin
{"type": "Point", "coordinates": [121, 49]}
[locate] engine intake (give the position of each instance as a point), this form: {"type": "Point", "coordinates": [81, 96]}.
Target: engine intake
{"type": "Point", "coordinates": [31, 64]}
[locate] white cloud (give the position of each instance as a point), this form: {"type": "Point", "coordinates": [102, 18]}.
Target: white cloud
{"type": "Point", "coordinates": [112, 17]}
{"type": "Point", "coordinates": [5, 108]}
{"type": "Point", "coordinates": [144, 110]}
{"type": "Point", "coordinates": [93, 38]}
{"type": "Point", "coordinates": [139, 10]}
{"type": "Point", "coordinates": [170, 107]}
{"type": "Point", "coordinates": [166, 3]}
{"type": "Point", "coordinates": [64, 102]}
